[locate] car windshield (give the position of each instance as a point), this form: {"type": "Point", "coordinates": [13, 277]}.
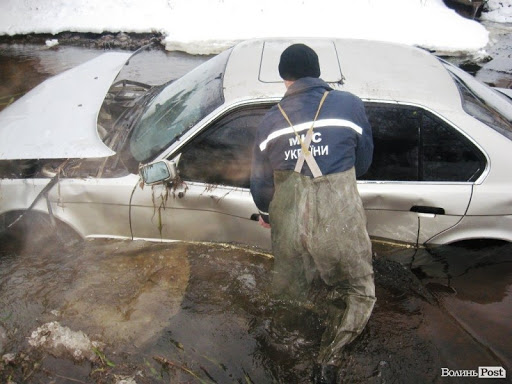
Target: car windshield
{"type": "Point", "coordinates": [482, 102]}
{"type": "Point", "coordinates": [178, 107]}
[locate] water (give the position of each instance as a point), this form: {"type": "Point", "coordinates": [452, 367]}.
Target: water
{"type": "Point", "coordinates": [498, 71]}
{"type": "Point", "coordinates": [473, 284]}
{"type": "Point", "coordinates": [23, 66]}
{"type": "Point", "coordinates": [185, 312]}
{"type": "Point", "coordinates": [194, 310]}
{"type": "Point", "coordinates": [109, 310]}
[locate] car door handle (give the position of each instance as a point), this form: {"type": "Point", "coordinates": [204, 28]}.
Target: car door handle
{"type": "Point", "coordinates": [426, 209]}
{"type": "Point", "coordinates": [255, 217]}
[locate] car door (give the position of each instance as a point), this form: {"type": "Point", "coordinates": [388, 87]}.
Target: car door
{"type": "Point", "coordinates": [94, 207]}
{"type": "Point", "coordinates": [422, 174]}
{"type": "Point", "coordinates": [212, 202]}
{"type": "Point", "coordinates": [419, 184]}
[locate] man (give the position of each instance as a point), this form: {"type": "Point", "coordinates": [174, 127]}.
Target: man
{"type": "Point", "coordinates": [308, 150]}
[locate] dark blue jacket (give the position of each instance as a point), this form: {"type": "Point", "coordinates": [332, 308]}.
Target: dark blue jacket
{"type": "Point", "coordinates": [342, 136]}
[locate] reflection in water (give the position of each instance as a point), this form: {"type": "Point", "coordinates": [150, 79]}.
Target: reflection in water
{"type": "Point", "coordinates": [474, 284]}
{"type": "Point", "coordinates": [22, 67]}
{"type": "Point", "coordinates": [450, 265]}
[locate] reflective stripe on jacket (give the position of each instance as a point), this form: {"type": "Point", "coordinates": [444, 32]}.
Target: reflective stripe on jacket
{"type": "Point", "coordinates": [342, 136]}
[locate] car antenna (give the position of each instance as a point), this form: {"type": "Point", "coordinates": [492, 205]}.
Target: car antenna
{"type": "Point", "coordinates": [139, 50]}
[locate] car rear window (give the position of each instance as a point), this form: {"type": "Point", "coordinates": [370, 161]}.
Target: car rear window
{"type": "Point", "coordinates": [482, 102]}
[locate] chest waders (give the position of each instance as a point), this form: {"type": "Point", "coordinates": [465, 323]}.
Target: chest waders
{"type": "Point", "coordinates": [318, 228]}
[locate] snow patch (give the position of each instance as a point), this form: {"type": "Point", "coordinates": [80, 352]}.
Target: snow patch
{"type": "Point", "coordinates": [248, 280]}
{"type": "Point", "coordinates": [499, 11]}
{"type": "Point", "coordinates": [52, 42]}
{"type": "Point", "coordinates": [61, 341]}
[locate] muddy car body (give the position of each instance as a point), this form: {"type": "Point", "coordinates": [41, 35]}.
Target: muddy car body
{"type": "Point", "coordinates": [440, 172]}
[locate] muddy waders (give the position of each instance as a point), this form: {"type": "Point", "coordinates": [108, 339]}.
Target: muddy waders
{"type": "Point", "coordinates": [318, 228]}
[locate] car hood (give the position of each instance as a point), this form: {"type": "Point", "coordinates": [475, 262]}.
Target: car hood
{"type": "Point", "coordinates": [58, 118]}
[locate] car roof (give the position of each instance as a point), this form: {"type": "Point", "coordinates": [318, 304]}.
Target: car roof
{"type": "Point", "coordinates": [372, 70]}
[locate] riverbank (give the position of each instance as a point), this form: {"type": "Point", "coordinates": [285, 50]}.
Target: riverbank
{"type": "Point", "coordinates": [105, 41]}
{"type": "Point", "coordinates": [493, 65]}
{"type": "Point", "coordinates": [211, 26]}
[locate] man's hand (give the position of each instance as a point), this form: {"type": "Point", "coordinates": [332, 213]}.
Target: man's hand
{"type": "Point", "coordinates": [263, 223]}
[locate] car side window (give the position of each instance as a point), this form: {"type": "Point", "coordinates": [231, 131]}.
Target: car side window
{"type": "Point", "coordinates": [222, 153]}
{"type": "Point", "coordinates": [396, 138]}
{"type": "Point", "coordinates": [412, 144]}
{"type": "Point", "coordinates": [446, 154]}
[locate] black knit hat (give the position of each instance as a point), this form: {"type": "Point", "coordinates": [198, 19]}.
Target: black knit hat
{"type": "Point", "coordinates": [297, 61]}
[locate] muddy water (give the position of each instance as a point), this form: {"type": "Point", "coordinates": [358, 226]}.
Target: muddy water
{"type": "Point", "coordinates": [108, 311]}
{"type": "Point", "coordinates": [103, 310]}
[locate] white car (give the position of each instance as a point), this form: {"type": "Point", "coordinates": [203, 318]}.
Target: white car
{"type": "Point", "coordinates": [77, 147]}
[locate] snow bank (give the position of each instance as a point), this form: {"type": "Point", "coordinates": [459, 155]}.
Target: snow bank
{"type": "Point", "coordinates": [209, 26]}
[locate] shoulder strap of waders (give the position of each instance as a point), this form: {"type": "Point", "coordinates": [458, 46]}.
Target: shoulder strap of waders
{"type": "Point", "coordinates": [305, 154]}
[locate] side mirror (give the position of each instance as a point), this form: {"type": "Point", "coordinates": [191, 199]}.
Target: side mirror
{"type": "Point", "coordinates": [158, 172]}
